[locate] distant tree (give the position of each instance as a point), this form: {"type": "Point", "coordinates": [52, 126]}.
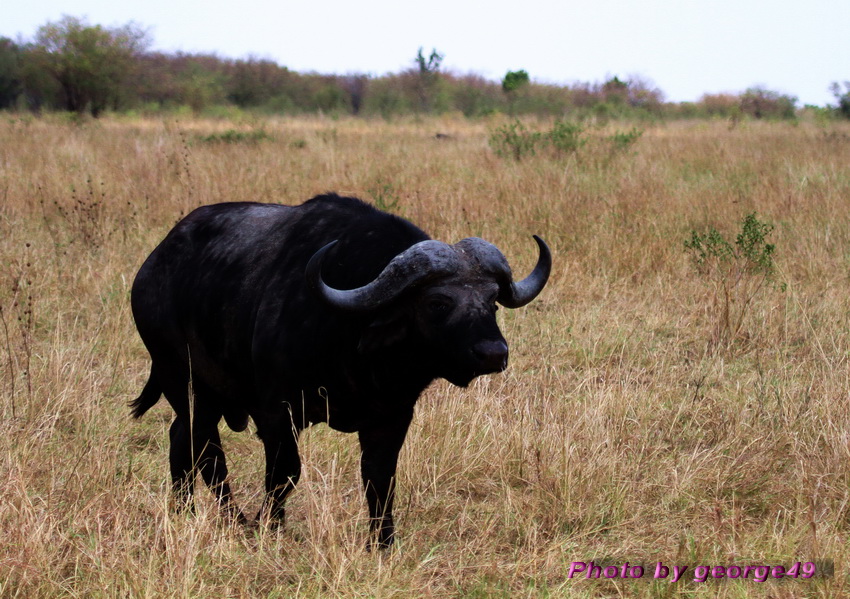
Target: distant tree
{"type": "Point", "coordinates": [719, 105]}
{"type": "Point", "coordinates": [642, 93]}
{"type": "Point", "coordinates": [355, 87]}
{"type": "Point", "coordinates": [156, 80]}
{"type": "Point", "coordinates": [615, 91]}
{"type": "Point", "coordinates": [201, 84]}
{"type": "Point", "coordinates": [432, 65]}
{"type": "Point", "coordinates": [92, 64]}
{"type": "Point", "coordinates": [474, 95]}
{"type": "Point", "coordinates": [514, 80]}
{"type": "Point", "coordinates": [843, 98]}
{"type": "Point", "coordinates": [253, 82]}
{"type": "Point", "coordinates": [389, 96]}
{"type": "Point", "coordinates": [761, 103]}
{"type": "Point", "coordinates": [330, 98]}
{"type": "Point", "coordinates": [39, 88]}
{"type": "Point", "coordinates": [248, 84]}
{"type": "Point", "coordinates": [429, 73]}
{"type": "Point", "coordinates": [10, 73]}
{"type": "Point", "coordinates": [511, 84]}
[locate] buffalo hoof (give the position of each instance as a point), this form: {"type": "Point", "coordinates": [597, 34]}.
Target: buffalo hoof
{"type": "Point", "coordinates": [381, 538]}
{"type": "Point", "coordinates": [271, 516]}
{"type": "Point", "coordinates": [235, 515]}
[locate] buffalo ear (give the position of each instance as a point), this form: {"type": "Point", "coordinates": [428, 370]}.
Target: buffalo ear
{"type": "Point", "coordinates": [383, 333]}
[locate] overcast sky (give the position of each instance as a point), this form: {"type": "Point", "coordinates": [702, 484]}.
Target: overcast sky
{"type": "Point", "coordinates": [684, 47]}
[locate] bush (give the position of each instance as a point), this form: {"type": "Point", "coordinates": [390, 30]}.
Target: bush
{"type": "Point", "coordinates": [514, 141]}
{"type": "Point", "coordinates": [565, 137]}
{"type": "Point", "coordinates": [622, 141]}
{"type": "Point", "coordinates": [737, 273]}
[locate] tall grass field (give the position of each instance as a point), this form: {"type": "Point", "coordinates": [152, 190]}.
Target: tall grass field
{"type": "Point", "coordinates": [678, 394]}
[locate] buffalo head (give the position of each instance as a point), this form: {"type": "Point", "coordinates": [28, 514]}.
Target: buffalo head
{"type": "Point", "coordinates": [442, 298]}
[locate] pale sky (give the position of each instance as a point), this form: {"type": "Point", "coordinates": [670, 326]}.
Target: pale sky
{"type": "Point", "coordinates": [684, 47]}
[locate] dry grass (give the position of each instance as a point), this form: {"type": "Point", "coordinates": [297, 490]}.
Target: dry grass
{"type": "Point", "coordinates": [617, 434]}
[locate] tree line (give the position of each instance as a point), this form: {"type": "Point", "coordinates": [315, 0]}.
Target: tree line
{"type": "Point", "coordinates": [75, 66]}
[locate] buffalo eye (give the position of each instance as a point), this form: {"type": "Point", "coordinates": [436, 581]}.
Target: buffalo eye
{"type": "Point", "coordinates": [439, 307]}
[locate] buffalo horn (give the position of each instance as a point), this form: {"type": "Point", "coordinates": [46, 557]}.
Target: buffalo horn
{"type": "Point", "coordinates": [423, 260]}
{"type": "Point", "coordinates": [511, 294]}
{"type": "Point", "coordinates": [520, 293]}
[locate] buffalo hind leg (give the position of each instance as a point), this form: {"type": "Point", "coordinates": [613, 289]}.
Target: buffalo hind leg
{"type": "Point", "coordinates": [181, 463]}
{"type": "Point", "coordinates": [200, 450]}
{"type": "Point", "coordinates": [380, 445]}
{"type": "Point", "coordinates": [283, 467]}
{"type": "Point", "coordinates": [213, 467]}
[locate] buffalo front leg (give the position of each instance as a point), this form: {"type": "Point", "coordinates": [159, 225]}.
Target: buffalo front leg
{"type": "Point", "coordinates": [380, 444]}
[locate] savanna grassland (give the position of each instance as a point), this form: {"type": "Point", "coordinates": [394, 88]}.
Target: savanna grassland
{"type": "Point", "coordinates": [654, 409]}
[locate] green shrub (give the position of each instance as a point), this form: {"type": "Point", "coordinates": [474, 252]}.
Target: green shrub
{"type": "Point", "coordinates": [565, 137]}
{"type": "Point", "coordinates": [737, 273]}
{"type": "Point", "coordinates": [622, 141]}
{"type": "Point", "coordinates": [515, 141]}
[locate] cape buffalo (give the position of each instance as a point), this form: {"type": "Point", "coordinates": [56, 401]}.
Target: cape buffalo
{"type": "Point", "coordinates": [331, 311]}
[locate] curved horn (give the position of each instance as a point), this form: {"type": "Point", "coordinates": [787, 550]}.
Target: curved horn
{"type": "Point", "coordinates": [519, 294]}
{"type": "Point", "coordinates": [425, 259]}
{"type": "Point", "coordinates": [491, 260]}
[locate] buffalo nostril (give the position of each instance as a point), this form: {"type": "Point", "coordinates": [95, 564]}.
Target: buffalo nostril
{"type": "Point", "coordinates": [491, 355]}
